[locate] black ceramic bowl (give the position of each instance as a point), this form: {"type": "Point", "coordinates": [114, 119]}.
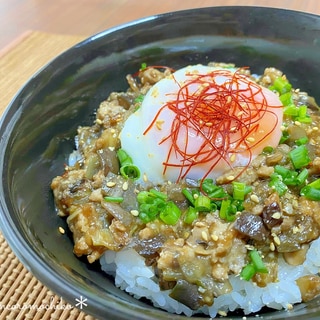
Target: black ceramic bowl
{"type": "Point", "coordinates": [38, 127]}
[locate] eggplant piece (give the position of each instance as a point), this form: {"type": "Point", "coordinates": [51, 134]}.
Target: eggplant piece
{"type": "Point", "coordinates": [252, 226]}
{"type": "Point", "coordinates": [187, 294]}
{"type": "Point", "coordinates": [149, 247]}
{"type": "Point", "coordinates": [271, 215]}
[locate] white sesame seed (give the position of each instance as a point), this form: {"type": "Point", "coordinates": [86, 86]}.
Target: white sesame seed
{"type": "Point", "coordinates": [251, 139]}
{"type": "Point", "coordinates": [61, 230]}
{"type": "Point", "coordinates": [204, 235]}
{"type": "Point", "coordinates": [276, 215]}
{"type": "Point", "coordinates": [276, 240]}
{"type": "Point", "coordinates": [111, 184]}
{"type": "Point", "coordinates": [233, 157]}
{"type": "Point", "coordinates": [135, 213]}
{"type": "Point", "coordinates": [214, 237]}
{"type": "Point", "coordinates": [289, 306]}
{"type": "Point", "coordinates": [222, 313]}
{"type": "Point", "coordinates": [254, 198]}
{"type": "Point", "coordinates": [125, 186]}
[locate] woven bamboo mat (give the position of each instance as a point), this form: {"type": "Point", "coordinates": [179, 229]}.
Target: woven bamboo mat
{"type": "Point", "coordinates": [22, 296]}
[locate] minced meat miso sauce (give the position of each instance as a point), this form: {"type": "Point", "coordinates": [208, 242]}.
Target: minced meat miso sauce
{"type": "Point", "coordinates": [210, 176]}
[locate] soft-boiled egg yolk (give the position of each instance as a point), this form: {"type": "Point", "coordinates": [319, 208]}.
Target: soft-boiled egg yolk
{"type": "Point", "coordinates": [199, 122]}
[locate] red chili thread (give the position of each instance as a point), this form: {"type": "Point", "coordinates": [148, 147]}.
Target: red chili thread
{"type": "Point", "coordinates": [216, 112]}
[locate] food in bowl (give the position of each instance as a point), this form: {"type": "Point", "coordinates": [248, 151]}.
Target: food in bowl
{"type": "Point", "coordinates": [198, 189]}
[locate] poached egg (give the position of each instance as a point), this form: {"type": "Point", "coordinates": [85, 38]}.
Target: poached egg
{"type": "Point", "coordinates": [199, 122]}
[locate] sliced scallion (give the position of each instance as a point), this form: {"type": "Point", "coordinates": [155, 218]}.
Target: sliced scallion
{"type": "Point", "coordinates": [255, 266]}
{"type": "Point", "coordinates": [301, 141]}
{"type": "Point", "coordinates": [240, 190]}
{"type": "Point", "coordinates": [311, 191]}
{"type": "Point", "coordinates": [225, 204]}
{"type": "Point", "coordinates": [281, 85]}
{"type": "Point", "coordinates": [267, 150]}
{"type": "Point", "coordinates": [170, 214]}
{"type": "Point", "coordinates": [191, 215]}
{"type": "Point", "coordinates": [248, 272]}
{"type": "Point", "coordinates": [113, 199]}
{"type": "Point", "coordinates": [276, 182]}
{"type": "Point", "coordinates": [302, 176]}
{"type": "Point", "coordinates": [286, 98]}
{"type": "Point", "coordinates": [127, 168]}
{"type": "Point", "coordinates": [189, 196]}
{"type": "Point", "coordinates": [202, 203]}
{"type": "Point", "coordinates": [257, 261]}
{"type": "Point", "coordinates": [299, 157]}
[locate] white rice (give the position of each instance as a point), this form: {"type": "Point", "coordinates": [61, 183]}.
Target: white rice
{"type": "Point", "coordinates": [132, 275]}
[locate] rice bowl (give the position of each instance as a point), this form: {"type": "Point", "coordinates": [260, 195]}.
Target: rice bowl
{"type": "Point", "coordinates": [67, 92]}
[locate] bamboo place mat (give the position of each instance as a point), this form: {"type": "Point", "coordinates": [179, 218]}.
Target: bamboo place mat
{"type": "Point", "coordinates": [22, 296]}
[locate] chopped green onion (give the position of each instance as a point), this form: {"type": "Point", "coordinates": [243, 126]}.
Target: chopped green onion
{"type": "Point", "coordinates": [286, 98]}
{"type": "Point", "coordinates": [310, 193]}
{"type": "Point", "coordinates": [208, 186]}
{"type": "Point", "coordinates": [281, 85]}
{"type": "Point", "coordinates": [212, 190]}
{"type": "Point", "coordinates": [202, 203]}
{"type": "Point", "coordinates": [225, 204]}
{"type": "Point", "coordinates": [227, 210]}
{"type": "Point", "coordinates": [130, 171]}
{"type": "Point", "coordinates": [299, 157]}
{"type": "Point", "coordinates": [123, 157]}
{"type": "Point", "coordinates": [191, 215]}
{"type": "Point", "coordinates": [143, 66]}
{"type": "Point", "coordinates": [290, 177]}
{"type": "Point", "coordinates": [248, 272]}
{"type": "Point", "coordinates": [153, 204]}
{"type": "Point", "coordinates": [127, 168]}
{"type": "Point", "coordinates": [284, 137]}
{"type": "Point", "coordinates": [255, 266]}
{"type": "Point", "coordinates": [276, 182]}
{"type": "Point", "coordinates": [240, 190]}
{"type": "Point", "coordinates": [158, 194]}
{"type": "Point", "coordinates": [267, 150]}
{"type": "Point", "coordinates": [214, 207]}
{"type": "Point", "coordinates": [283, 171]}
{"type": "Point", "coordinates": [146, 217]}
{"type": "Point", "coordinates": [315, 184]}
{"type": "Point", "coordinates": [257, 261]}
{"type": "Point", "coordinates": [170, 213]}
{"type": "Point", "coordinates": [312, 190]}
{"type": "Point", "coordinates": [143, 196]}
{"type": "Point", "coordinates": [302, 115]}
{"type": "Point", "coordinates": [301, 141]}
{"type": "Point", "coordinates": [139, 98]}
{"type": "Point", "coordinates": [189, 196]}
{"type": "Point", "coordinates": [291, 110]}
{"type": "Point", "coordinates": [113, 199]}
{"type": "Point", "coordinates": [302, 176]}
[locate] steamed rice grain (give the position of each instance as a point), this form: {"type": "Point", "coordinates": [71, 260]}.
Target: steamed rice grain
{"type": "Point", "coordinates": [132, 275]}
